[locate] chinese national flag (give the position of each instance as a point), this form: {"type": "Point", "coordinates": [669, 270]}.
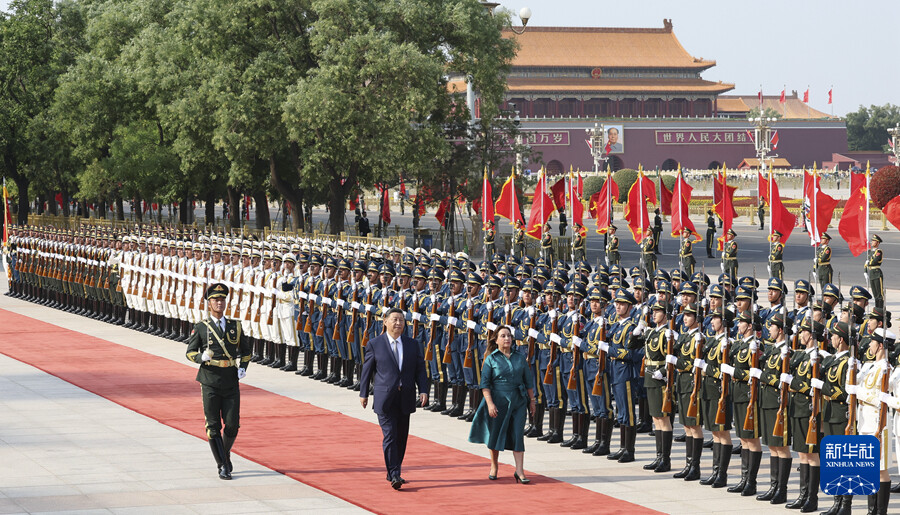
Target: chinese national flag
{"type": "Point", "coordinates": [891, 211]}
{"type": "Point", "coordinates": [666, 202]}
{"type": "Point", "coordinates": [680, 208]}
{"type": "Point", "coordinates": [853, 226]}
{"type": "Point", "coordinates": [806, 96]}
{"type": "Point", "coordinates": [601, 204]}
{"type": "Point", "coordinates": [487, 200]}
{"type": "Point", "coordinates": [783, 220]}
{"type": "Point", "coordinates": [354, 202]}
{"type": "Point", "coordinates": [402, 187]}
{"type": "Point", "coordinates": [385, 206]}
{"type": "Point", "coordinates": [642, 191]}
{"type": "Point", "coordinates": [829, 95]}
{"type": "Point", "coordinates": [558, 192]}
{"type": "Point", "coordinates": [507, 204]}
{"type": "Point", "coordinates": [821, 206]}
{"type": "Point", "coordinates": [857, 180]}
{"type": "Point", "coordinates": [577, 204]}
{"type": "Point", "coordinates": [782, 99]}
{"type": "Point", "coordinates": [718, 199]}
{"type": "Point", "coordinates": [541, 208]}
{"type": "Point", "coordinates": [441, 213]}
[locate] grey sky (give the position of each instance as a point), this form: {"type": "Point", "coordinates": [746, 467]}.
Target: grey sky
{"type": "Point", "coordinates": [773, 43]}
{"type": "Point", "coordinates": [798, 43]}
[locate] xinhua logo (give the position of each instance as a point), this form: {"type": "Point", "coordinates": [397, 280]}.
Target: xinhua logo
{"type": "Point", "coordinates": [850, 465]}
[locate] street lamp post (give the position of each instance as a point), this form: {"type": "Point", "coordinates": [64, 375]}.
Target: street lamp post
{"type": "Point", "coordinates": [761, 137]}
{"type": "Point", "coordinates": [595, 136]}
{"type": "Point", "coordinates": [895, 143]}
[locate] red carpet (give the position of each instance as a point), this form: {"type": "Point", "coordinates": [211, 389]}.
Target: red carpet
{"type": "Point", "coordinates": [329, 451]}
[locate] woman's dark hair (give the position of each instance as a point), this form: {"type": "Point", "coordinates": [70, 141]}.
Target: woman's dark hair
{"type": "Point", "coordinates": [492, 343]}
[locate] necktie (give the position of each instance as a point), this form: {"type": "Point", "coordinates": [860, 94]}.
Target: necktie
{"type": "Point", "coordinates": [222, 325]}
{"type": "Point", "coordinates": [396, 345]}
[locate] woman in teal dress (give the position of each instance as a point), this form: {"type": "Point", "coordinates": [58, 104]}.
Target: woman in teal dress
{"type": "Point", "coordinates": [508, 388]}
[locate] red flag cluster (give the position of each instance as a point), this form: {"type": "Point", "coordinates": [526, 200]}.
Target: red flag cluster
{"type": "Point", "coordinates": [642, 191]}
{"type": "Point", "coordinates": [541, 208]}
{"type": "Point", "coordinates": [783, 220]}
{"type": "Point", "coordinates": [600, 206]}
{"type": "Point", "coordinates": [820, 206]}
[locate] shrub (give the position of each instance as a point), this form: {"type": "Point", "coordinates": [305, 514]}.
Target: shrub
{"type": "Point", "coordinates": [884, 185]}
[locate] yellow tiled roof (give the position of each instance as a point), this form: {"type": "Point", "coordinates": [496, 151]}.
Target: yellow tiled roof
{"type": "Point", "coordinates": [517, 85]}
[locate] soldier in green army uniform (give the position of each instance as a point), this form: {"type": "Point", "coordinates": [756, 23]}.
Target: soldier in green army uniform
{"type": "Point", "coordinates": [649, 255]}
{"type": "Point", "coordinates": [776, 256]}
{"type": "Point", "coordinates": [687, 252]}
{"type": "Point", "coordinates": [221, 348]}
{"type": "Point", "coordinates": [770, 385]}
{"type": "Point", "coordinates": [117, 297]}
{"type": "Point", "coordinates": [579, 243]}
{"type": "Point", "coordinates": [873, 270]}
{"type": "Point", "coordinates": [547, 244]}
{"type": "Point", "coordinates": [744, 348]}
{"type": "Point", "coordinates": [612, 247]}
{"type": "Point", "coordinates": [519, 240]}
{"type": "Point", "coordinates": [834, 395]}
{"type": "Point", "coordinates": [730, 251]}
{"type": "Point", "coordinates": [824, 271]}
{"type": "Point", "coordinates": [490, 236]}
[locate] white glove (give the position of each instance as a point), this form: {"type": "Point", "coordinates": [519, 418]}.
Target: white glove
{"type": "Point", "coordinates": [658, 375]}
{"type": "Point", "coordinates": [769, 268]}
{"type": "Point", "coordinates": [452, 320]}
{"type": "Point", "coordinates": [637, 331]}
{"type": "Point", "coordinates": [814, 358]}
{"type": "Point", "coordinates": [531, 311]}
{"type": "Point", "coordinates": [470, 324]}
{"type": "Point", "coordinates": [866, 275]}
{"type": "Point", "coordinates": [206, 356]}
{"type": "Point", "coordinates": [670, 334]}
{"type": "Point", "coordinates": [603, 346]}
{"type": "Point", "coordinates": [885, 397]}
{"type": "Point", "coordinates": [303, 295]}
{"type": "Point", "coordinates": [679, 300]}
{"type": "Point", "coordinates": [705, 303]}
{"type": "Point", "coordinates": [552, 313]}
{"type": "Point", "coordinates": [817, 384]}
{"type": "Point", "coordinates": [434, 318]}
{"type": "Point", "coordinates": [722, 266]}
{"type": "Point", "coordinates": [672, 360]}
{"type": "Point", "coordinates": [532, 333]}
{"type": "Point", "coordinates": [753, 347]}
{"type": "Point", "coordinates": [491, 326]}
{"type": "Point", "coordinates": [417, 317]}
{"type": "Point", "coordinates": [727, 369]}
{"type": "Point", "coordinates": [506, 308]}
{"type": "Point", "coordinates": [755, 373]}
{"type": "Point", "coordinates": [555, 339]}
{"type": "Point", "coordinates": [703, 366]}
{"type": "Point", "coordinates": [699, 363]}
{"type": "Point", "coordinates": [242, 372]}
{"type": "Point", "coordinates": [367, 307]}
{"type": "Point", "coordinates": [850, 389]}
{"type": "Point", "coordinates": [576, 341]}
{"type": "Point", "coordinates": [786, 378]}
{"type": "Point", "coordinates": [784, 351]}
{"type": "Point", "coordinates": [370, 308]}
{"type": "Point", "coordinates": [340, 303]}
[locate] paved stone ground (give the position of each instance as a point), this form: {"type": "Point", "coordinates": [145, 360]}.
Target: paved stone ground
{"type": "Point", "coordinates": [76, 452]}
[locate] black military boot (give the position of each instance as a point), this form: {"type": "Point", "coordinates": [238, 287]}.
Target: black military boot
{"type": "Point", "coordinates": [478, 396]}
{"type": "Point", "coordinates": [462, 403]}
{"type": "Point", "coordinates": [582, 432]}
{"type": "Point", "coordinates": [716, 449]}
{"type": "Point", "coordinates": [745, 465]}
{"type": "Point", "coordinates": [721, 480]}
{"type": "Point", "coordinates": [644, 425]}
{"type": "Point", "coordinates": [441, 397]}
{"type": "Point", "coordinates": [750, 488]}
{"type": "Point", "coordinates": [357, 367]}
{"type": "Point", "coordinates": [306, 369]}
{"type": "Point", "coordinates": [598, 436]}
{"type": "Point", "coordinates": [784, 473]}
{"type": "Point", "coordinates": [665, 463]}
{"type": "Point", "coordinates": [606, 427]}
{"type": "Point", "coordinates": [846, 505]}
{"type": "Point", "coordinates": [883, 497]}
{"type": "Point", "coordinates": [812, 492]}
{"type": "Point", "coordinates": [281, 352]}
{"type": "Point", "coordinates": [558, 424]}
{"type": "Point", "coordinates": [694, 472]}
{"type": "Point", "coordinates": [347, 376]}
{"type": "Point", "coordinates": [530, 426]}
{"type": "Point", "coordinates": [321, 361]}
{"type": "Point", "coordinates": [552, 421]}
{"type": "Point", "coordinates": [218, 450]}
{"type": "Point", "coordinates": [623, 439]}
{"type": "Point", "coordinates": [688, 450]}
{"type": "Point", "coordinates": [631, 435]}
{"type": "Point", "coordinates": [130, 313]}
{"type": "Point", "coordinates": [436, 385]}
{"type": "Point", "coordinates": [228, 442]}
{"type": "Point", "coordinates": [454, 401]}
{"type": "Point", "coordinates": [804, 489]}
{"type": "Point", "coordinates": [652, 465]}
{"type": "Point", "coordinates": [335, 370]}
{"type": "Point", "coordinates": [159, 329]}
{"type": "Point", "coordinates": [575, 430]}
{"type": "Point", "coordinates": [835, 508]}
{"type": "Point", "coordinates": [537, 428]}
{"type": "Point", "coordinates": [257, 355]}
{"type": "Point", "coordinates": [290, 359]}
{"type": "Point", "coordinates": [773, 479]}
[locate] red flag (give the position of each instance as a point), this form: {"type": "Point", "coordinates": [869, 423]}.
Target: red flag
{"type": "Point", "coordinates": [666, 201]}
{"type": "Point", "coordinates": [806, 96]}
{"type": "Point", "coordinates": [853, 226]}
{"type": "Point", "coordinates": [774, 140]}
{"type": "Point", "coordinates": [680, 208]}
{"type": "Point", "coordinates": [641, 192]}
{"type": "Point", "coordinates": [718, 199]}
{"type": "Point", "coordinates": [829, 95]}
{"type": "Point", "coordinates": [541, 208]}
{"type": "Point", "coordinates": [441, 214]}
{"type": "Point", "coordinates": [402, 187]}
{"type": "Point", "coordinates": [857, 180]}
{"type": "Point", "coordinates": [385, 206]}
{"type": "Point", "coordinates": [577, 204]}
{"type": "Point", "coordinates": [580, 186]}
{"type": "Point", "coordinates": [891, 211]}
{"type": "Point", "coordinates": [507, 204]}
{"type": "Point", "coordinates": [608, 148]}
{"type": "Point", "coordinates": [783, 220]}
{"type": "Point", "coordinates": [782, 99]}
{"type": "Point", "coordinates": [558, 192]}
{"type": "Point", "coordinates": [819, 204]}
{"type": "Point", "coordinates": [354, 202]}
{"type": "Point", "coordinates": [601, 204]}
{"type": "Point", "coordinates": [420, 204]}
{"type": "Point", "coordinates": [759, 96]}
{"type": "Point", "coordinates": [487, 200]}
{"type": "Point", "coordinates": [59, 199]}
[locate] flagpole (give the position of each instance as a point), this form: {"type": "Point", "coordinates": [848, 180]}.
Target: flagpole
{"type": "Point", "coordinates": [815, 217]}
{"type": "Point", "coordinates": [867, 209]}
{"type": "Point", "coordinates": [640, 178]}
{"type": "Point", "coordinates": [572, 214]}
{"type": "Point", "coordinates": [483, 212]}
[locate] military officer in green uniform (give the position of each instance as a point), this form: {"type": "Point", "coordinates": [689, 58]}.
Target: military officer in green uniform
{"type": "Point", "coordinates": [730, 249]}
{"type": "Point", "coordinates": [612, 247]}
{"type": "Point", "coordinates": [547, 244]}
{"type": "Point", "coordinates": [648, 254]}
{"type": "Point", "coordinates": [834, 395]}
{"type": "Point", "coordinates": [490, 236]}
{"type": "Point", "coordinates": [687, 252]}
{"type": "Point", "coordinates": [710, 233]}
{"type": "Point", "coordinates": [579, 242]}
{"type": "Point", "coordinates": [873, 270]}
{"type": "Point", "coordinates": [776, 256]}
{"type": "Point", "coordinates": [519, 240]}
{"type": "Point", "coordinates": [824, 271]}
{"type": "Point", "coordinates": [221, 348]}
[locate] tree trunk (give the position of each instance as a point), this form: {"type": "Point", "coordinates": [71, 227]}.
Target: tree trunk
{"type": "Point", "coordinates": [40, 204]}
{"type": "Point", "coordinates": [292, 197]}
{"type": "Point", "coordinates": [65, 203]}
{"type": "Point", "coordinates": [184, 207]}
{"type": "Point", "coordinates": [337, 205]}
{"type": "Point", "coordinates": [139, 210]}
{"type": "Point", "coordinates": [263, 219]}
{"type": "Point", "coordinates": [210, 207]}
{"type": "Point", "coordinates": [234, 209]}
{"type": "Point", "coordinates": [120, 208]}
{"type": "Point", "coordinates": [51, 204]}
{"type": "Point", "coordinates": [101, 208]}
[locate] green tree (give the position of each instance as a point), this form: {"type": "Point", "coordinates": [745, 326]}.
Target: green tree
{"type": "Point", "coordinates": [867, 127]}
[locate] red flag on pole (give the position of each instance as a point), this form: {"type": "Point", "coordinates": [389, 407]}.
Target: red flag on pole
{"type": "Point", "coordinates": [487, 200]}
{"type": "Point", "coordinates": [857, 180]}
{"type": "Point", "coordinates": [558, 192]}
{"type": "Point", "coordinates": [891, 211]}
{"type": "Point", "coordinates": [782, 99]}
{"type": "Point", "coordinates": [666, 199]}
{"type": "Point", "coordinates": [829, 95]}
{"type": "Point", "coordinates": [541, 208]}
{"type": "Point", "coordinates": [601, 204]}
{"type": "Point", "coordinates": [402, 187]}
{"type": "Point", "coordinates": [441, 213]}
{"type": "Point", "coordinates": [774, 140]}
{"type": "Point", "coordinates": [385, 205]}
{"type": "Point", "coordinates": [820, 207]}
{"type": "Point", "coordinates": [680, 207]}
{"type": "Point", "coordinates": [508, 203]}
{"type": "Point", "coordinates": [642, 191]}
{"type": "Point", "coordinates": [783, 220]}
{"type": "Point", "coordinates": [853, 226]}
{"type": "Point", "coordinates": [806, 96]}
{"type": "Point", "coordinates": [760, 96]}
{"type": "Point", "coordinates": [724, 208]}
{"type": "Point", "coordinates": [577, 204]}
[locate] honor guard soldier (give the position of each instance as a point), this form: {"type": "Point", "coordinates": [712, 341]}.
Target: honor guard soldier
{"type": "Point", "coordinates": [872, 402]}
{"type": "Point", "coordinates": [716, 397]}
{"type": "Point", "coordinates": [518, 241]}
{"type": "Point", "coordinates": [490, 235]}
{"type": "Point", "coordinates": [873, 270]}
{"type": "Point", "coordinates": [547, 367]}
{"type": "Point", "coordinates": [595, 371]}
{"type": "Point", "coordinates": [803, 292]}
{"type": "Point", "coordinates": [648, 254]}
{"type": "Point", "coordinates": [452, 312]}
{"type": "Point", "coordinates": [834, 394]}
{"type": "Point", "coordinates": [730, 253]}
{"type": "Point", "coordinates": [219, 345]}
{"type": "Point", "coordinates": [655, 342]}
{"type": "Point", "coordinates": [710, 233]}
{"type": "Point", "coordinates": [686, 253]}
{"type": "Point", "coordinates": [823, 268]}
{"type": "Point", "coordinates": [624, 356]}
{"type": "Point", "coordinates": [612, 247]}
{"type": "Point", "coordinates": [776, 256]}
{"type": "Point", "coordinates": [579, 242]}
{"type": "Point", "coordinates": [744, 355]}
{"type": "Point", "coordinates": [774, 385]}
{"type": "Point", "coordinates": [571, 332]}
{"type": "Point", "coordinates": [432, 335]}
{"type": "Point", "coordinates": [547, 244]}
{"type": "Point", "coordinates": [688, 354]}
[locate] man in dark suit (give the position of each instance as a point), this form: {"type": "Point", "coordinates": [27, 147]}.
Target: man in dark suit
{"type": "Point", "coordinates": [398, 366]}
